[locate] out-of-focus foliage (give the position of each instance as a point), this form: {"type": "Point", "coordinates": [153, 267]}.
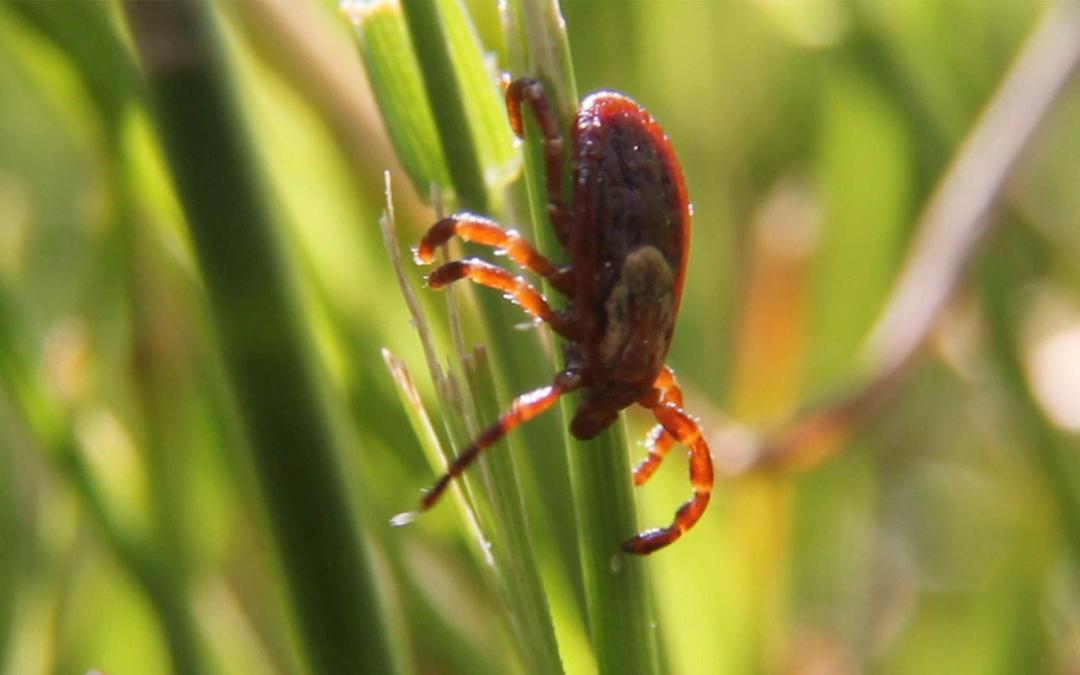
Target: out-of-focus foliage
{"type": "Point", "coordinates": [942, 538]}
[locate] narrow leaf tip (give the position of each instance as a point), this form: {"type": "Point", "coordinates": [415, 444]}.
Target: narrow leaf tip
{"type": "Point", "coordinates": [403, 519]}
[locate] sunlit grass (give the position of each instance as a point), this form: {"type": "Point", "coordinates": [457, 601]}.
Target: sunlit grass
{"type": "Point", "coordinates": [940, 535]}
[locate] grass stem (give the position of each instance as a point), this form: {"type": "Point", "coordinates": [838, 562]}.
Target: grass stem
{"type": "Point", "coordinates": [431, 46]}
{"type": "Point", "coordinates": [617, 598]}
{"type": "Point", "coordinates": [257, 314]}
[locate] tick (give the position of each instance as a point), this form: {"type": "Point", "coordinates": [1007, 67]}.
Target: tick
{"type": "Point", "coordinates": [627, 233]}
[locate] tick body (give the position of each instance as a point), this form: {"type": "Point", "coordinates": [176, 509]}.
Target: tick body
{"type": "Point", "coordinates": [627, 232]}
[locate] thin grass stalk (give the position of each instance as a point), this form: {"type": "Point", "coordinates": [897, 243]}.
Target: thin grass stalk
{"type": "Point", "coordinates": [620, 612]}
{"type": "Point", "coordinates": [516, 369]}
{"type": "Point", "coordinates": [957, 219]}
{"type": "Point", "coordinates": [446, 390]}
{"type": "Point", "coordinates": [10, 552]}
{"type": "Point", "coordinates": [473, 90]}
{"type": "Point", "coordinates": [457, 85]}
{"type": "Point", "coordinates": [170, 563]}
{"type": "Point", "coordinates": [154, 377]}
{"type": "Point", "coordinates": [521, 574]}
{"type": "Point", "coordinates": [532, 219]}
{"type": "Point", "coordinates": [489, 494]}
{"type": "Point", "coordinates": [437, 629]}
{"type": "Point", "coordinates": [52, 428]}
{"type": "Point", "coordinates": [88, 39]}
{"type": "Point", "coordinates": [429, 440]}
{"type": "Point", "coordinates": [258, 318]}
{"type": "Point", "coordinates": [432, 49]}
{"type": "Point", "coordinates": [395, 79]}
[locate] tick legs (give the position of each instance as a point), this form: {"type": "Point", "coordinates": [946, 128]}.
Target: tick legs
{"type": "Point", "coordinates": [532, 92]}
{"type": "Point", "coordinates": [685, 430]}
{"type": "Point", "coordinates": [659, 441]}
{"type": "Point", "coordinates": [523, 409]}
{"type": "Point", "coordinates": [516, 288]}
{"type": "Point", "coordinates": [481, 230]}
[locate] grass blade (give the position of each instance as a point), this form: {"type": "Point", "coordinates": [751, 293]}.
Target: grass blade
{"type": "Point", "coordinates": [429, 439]}
{"type": "Point", "coordinates": [490, 493]}
{"type": "Point", "coordinates": [431, 44]}
{"type": "Point", "coordinates": [531, 618]}
{"type": "Point", "coordinates": [9, 554]}
{"type": "Point", "coordinates": [53, 429]}
{"type": "Point", "coordinates": [383, 39]}
{"type": "Point", "coordinates": [255, 307]}
{"type": "Point", "coordinates": [617, 596]}
{"type": "Point", "coordinates": [484, 109]}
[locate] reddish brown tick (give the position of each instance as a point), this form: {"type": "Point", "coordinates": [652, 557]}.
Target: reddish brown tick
{"type": "Point", "coordinates": [627, 231]}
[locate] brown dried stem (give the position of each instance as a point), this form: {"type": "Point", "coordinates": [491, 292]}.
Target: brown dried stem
{"type": "Point", "coordinates": [958, 217]}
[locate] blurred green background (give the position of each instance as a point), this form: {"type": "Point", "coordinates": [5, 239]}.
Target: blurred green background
{"type": "Point", "coordinates": [941, 538]}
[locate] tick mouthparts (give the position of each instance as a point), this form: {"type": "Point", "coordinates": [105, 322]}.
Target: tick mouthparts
{"type": "Point", "coordinates": [403, 519]}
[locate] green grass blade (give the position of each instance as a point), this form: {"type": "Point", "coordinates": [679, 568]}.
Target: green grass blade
{"type": "Point", "coordinates": [867, 176]}
{"type": "Point", "coordinates": [540, 48]}
{"type": "Point", "coordinates": [489, 493]}
{"type": "Point", "coordinates": [521, 578]}
{"type": "Point", "coordinates": [266, 348]}
{"type": "Point", "coordinates": [426, 434]}
{"type": "Point", "coordinates": [445, 93]}
{"type": "Point", "coordinates": [383, 39]}
{"type": "Point", "coordinates": [494, 141]}
{"type": "Point", "coordinates": [80, 30]}
{"type": "Point", "coordinates": [617, 596]}
{"type": "Point", "coordinates": [11, 535]}
{"type": "Point", "coordinates": [53, 429]}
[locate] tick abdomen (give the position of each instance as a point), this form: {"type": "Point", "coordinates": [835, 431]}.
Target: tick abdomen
{"type": "Point", "coordinates": [639, 318]}
{"type": "Point", "coordinates": [628, 192]}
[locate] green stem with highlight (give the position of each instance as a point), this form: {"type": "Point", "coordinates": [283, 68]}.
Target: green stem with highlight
{"type": "Point", "coordinates": [447, 104]}
{"type": "Point", "coordinates": [436, 28]}
{"type": "Point", "coordinates": [617, 597]}
{"type": "Point", "coordinates": [266, 348]}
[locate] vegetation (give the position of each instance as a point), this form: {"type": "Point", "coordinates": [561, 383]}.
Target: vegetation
{"type": "Point", "coordinates": [221, 375]}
